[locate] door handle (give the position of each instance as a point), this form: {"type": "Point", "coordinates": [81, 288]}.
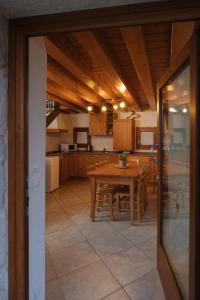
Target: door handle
{"type": "Point", "coordinates": [154, 147]}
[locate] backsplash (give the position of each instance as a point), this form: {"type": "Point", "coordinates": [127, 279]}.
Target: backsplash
{"type": "Point", "coordinates": [147, 119]}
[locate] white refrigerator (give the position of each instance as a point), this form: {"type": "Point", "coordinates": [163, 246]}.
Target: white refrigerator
{"type": "Point", "coordinates": [52, 173]}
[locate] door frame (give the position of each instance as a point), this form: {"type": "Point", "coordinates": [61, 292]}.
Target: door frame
{"type": "Point", "coordinates": [20, 30]}
{"type": "Point", "coordinates": [187, 56]}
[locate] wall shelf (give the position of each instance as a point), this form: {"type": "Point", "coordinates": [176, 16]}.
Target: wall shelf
{"type": "Point", "coordinates": [55, 130]}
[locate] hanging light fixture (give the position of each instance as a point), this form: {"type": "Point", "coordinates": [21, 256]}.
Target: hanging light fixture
{"type": "Point", "coordinates": [90, 108]}
{"type": "Point", "coordinates": [122, 104]}
{"type": "Point", "coordinates": [103, 108]}
{"type": "Point", "coordinates": [115, 106]}
{"type": "Point", "coordinates": [172, 109]}
{"type": "Point", "coordinates": [184, 110]}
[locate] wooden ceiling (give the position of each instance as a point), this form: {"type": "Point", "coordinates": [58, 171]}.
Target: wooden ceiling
{"type": "Point", "coordinates": [110, 65]}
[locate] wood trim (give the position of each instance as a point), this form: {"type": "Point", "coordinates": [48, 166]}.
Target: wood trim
{"type": "Point", "coordinates": [167, 278]}
{"type": "Point", "coordinates": [188, 55]}
{"type": "Point", "coordinates": [20, 30]}
{"type": "Point", "coordinates": [17, 166]}
{"type": "Point", "coordinates": [138, 136]}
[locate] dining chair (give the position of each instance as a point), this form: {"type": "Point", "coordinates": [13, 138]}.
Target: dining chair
{"type": "Point", "coordinates": [105, 193]}
{"type": "Point", "coordinates": [122, 197]}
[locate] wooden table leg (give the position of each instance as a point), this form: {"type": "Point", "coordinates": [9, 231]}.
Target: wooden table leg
{"type": "Point", "coordinates": [131, 187]}
{"type": "Point", "coordinates": [93, 197]}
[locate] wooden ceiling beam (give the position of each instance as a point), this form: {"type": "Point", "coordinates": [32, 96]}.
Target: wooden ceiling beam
{"type": "Point", "coordinates": [181, 33]}
{"type": "Point", "coordinates": [59, 50]}
{"type": "Point", "coordinates": [90, 42]}
{"type": "Point", "coordinates": [135, 43]}
{"type": "Point", "coordinates": [56, 89]}
{"type": "Point", "coordinates": [64, 102]}
{"type": "Point", "coordinates": [61, 76]}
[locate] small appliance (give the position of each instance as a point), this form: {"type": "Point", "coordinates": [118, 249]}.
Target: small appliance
{"type": "Point", "coordinates": [68, 147]}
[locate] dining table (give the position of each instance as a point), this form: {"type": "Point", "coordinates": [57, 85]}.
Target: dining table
{"type": "Point", "coordinates": [112, 174]}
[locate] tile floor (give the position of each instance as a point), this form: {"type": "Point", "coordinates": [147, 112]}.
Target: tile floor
{"type": "Point", "coordinates": [100, 260]}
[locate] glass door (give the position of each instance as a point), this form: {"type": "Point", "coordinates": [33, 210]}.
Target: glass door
{"type": "Point", "coordinates": [176, 173]}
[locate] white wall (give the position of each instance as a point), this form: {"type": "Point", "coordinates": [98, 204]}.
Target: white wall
{"type": "Point", "coordinates": [63, 121]}
{"type": "Point", "coordinates": [37, 123]}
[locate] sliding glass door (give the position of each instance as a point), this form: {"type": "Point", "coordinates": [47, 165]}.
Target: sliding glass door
{"type": "Point", "coordinates": [177, 194]}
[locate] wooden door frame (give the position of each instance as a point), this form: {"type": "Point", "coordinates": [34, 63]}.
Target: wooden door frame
{"type": "Point", "coordinates": [20, 30]}
{"type": "Point", "coordinates": [188, 56]}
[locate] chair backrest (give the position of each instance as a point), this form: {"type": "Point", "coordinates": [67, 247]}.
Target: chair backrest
{"type": "Point", "coordinates": [101, 163]}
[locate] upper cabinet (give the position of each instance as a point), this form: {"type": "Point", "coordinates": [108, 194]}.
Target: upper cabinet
{"type": "Point", "coordinates": [101, 123]}
{"type": "Point", "coordinates": [124, 134]}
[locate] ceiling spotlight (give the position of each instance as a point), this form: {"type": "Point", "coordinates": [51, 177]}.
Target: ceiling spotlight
{"type": "Point", "coordinates": [89, 108]}
{"type": "Point", "coordinates": [115, 106]}
{"type": "Point", "coordinates": [122, 104]}
{"type": "Point", "coordinates": [103, 108]}
{"type": "Point", "coordinates": [184, 110]}
{"type": "Point", "coordinates": [172, 109]}
{"type": "Point", "coordinates": [170, 87]}
{"type": "Point", "coordinates": [122, 88]}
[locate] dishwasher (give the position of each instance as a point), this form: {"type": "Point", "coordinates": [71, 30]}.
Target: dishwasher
{"type": "Point", "coordinates": [52, 173]}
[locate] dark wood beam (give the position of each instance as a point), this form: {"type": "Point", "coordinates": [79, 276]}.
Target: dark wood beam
{"type": "Point", "coordinates": [63, 77]}
{"type": "Point", "coordinates": [135, 43]}
{"type": "Point", "coordinates": [58, 48]}
{"type": "Point", "coordinates": [100, 55]}
{"type": "Point", "coordinates": [53, 95]}
{"type": "Point", "coordinates": [181, 33]}
{"type": "Point", "coordinates": [70, 96]}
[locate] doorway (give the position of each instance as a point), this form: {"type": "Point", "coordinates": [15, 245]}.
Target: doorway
{"type": "Point", "coordinates": [20, 187]}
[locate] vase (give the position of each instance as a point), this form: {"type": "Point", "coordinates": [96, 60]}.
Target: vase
{"type": "Point", "coordinates": [122, 163]}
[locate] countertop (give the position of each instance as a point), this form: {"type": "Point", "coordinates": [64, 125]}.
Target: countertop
{"type": "Point", "coordinates": [57, 153]}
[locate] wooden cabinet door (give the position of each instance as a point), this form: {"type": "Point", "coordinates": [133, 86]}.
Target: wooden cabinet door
{"type": "Point", "coordinates": [124, 135]}
{"type": "Point", "coordinates": [98, 124]}
{"type": "Point", "coordinates": [64, 168]}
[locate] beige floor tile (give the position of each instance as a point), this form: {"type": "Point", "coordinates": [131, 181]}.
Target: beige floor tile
{"type": "Point", "coordinates": [54, 290]}
{"type": "Point", "coordinates": [68, 259]}
{"type": "Point", "coordinates": [95, 229]}
{"type": "Point", "coordinates": [147, 287]}
{"type": "Point", "coordinates": [110, 243]}
{"type": "Point", "coordinates": [64, 238]}
{"type": "Point", "coordinates": [140, 233]}
{"type": "Point", "coordinates": [89, 283]}
{"type": "Point", "coordinates": [50, 272]}
{"type": "Point", "coordinates": [129, 265]}
{"type": "Point", "coordinates": [119, 295]}
{"type": "Point", "coordinates": [56, 221]}
{"type": "Point", "coordinates": [149, 247]}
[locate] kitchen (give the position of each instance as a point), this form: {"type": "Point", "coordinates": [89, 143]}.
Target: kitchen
{"type": "Point", "coordinates": [101, 158]}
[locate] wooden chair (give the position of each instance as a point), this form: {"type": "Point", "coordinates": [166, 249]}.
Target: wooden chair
{"type": "Point", "coordinates": [104, 197]}
{"type": "Point", "coordinates": [122, 203]}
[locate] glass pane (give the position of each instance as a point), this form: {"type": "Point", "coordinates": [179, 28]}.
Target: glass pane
{"type": "Point", "coordinates": [146, 138]}
{"type": "Point", "coordinates": [176, 176]}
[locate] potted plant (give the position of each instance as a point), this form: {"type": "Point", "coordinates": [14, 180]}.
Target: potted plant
{"type": "Point", "coordinates": [122, 161]}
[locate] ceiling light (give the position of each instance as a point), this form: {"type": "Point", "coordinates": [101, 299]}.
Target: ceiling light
{"type": "Point", "coordinates": [89, 108]}
{"type": "Point", "coordinates": [115, 106]}
{"type": "Point", "coordinates": [172, 109]}
{"type": "Point", "coordinates": [122, 104]}
{"type": "Point", "coordinates": [170, 88]}
{"type": "Point", "coordinates": [184, 110]}
{"type": "Point", "coordinates": [104, 108]}
{"type": "Point", "coordinates": [122, 88]}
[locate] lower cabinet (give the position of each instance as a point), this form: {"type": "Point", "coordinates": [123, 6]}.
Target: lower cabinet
{"type": "Point", "coordinates": [76, 165]}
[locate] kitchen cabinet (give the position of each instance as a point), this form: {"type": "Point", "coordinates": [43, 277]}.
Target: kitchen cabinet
{"type": "Point", "coordinates": [124, 134]}
{"type": "Point", "coordinates": [76, 165]}
{"type": "Point", "coordinates": [98, 124]}
{"type": "Point", "coordinates": [65, 168]}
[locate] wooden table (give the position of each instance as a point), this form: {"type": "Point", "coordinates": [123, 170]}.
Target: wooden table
{"type": "Point", "coordinates": [112, 174]}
